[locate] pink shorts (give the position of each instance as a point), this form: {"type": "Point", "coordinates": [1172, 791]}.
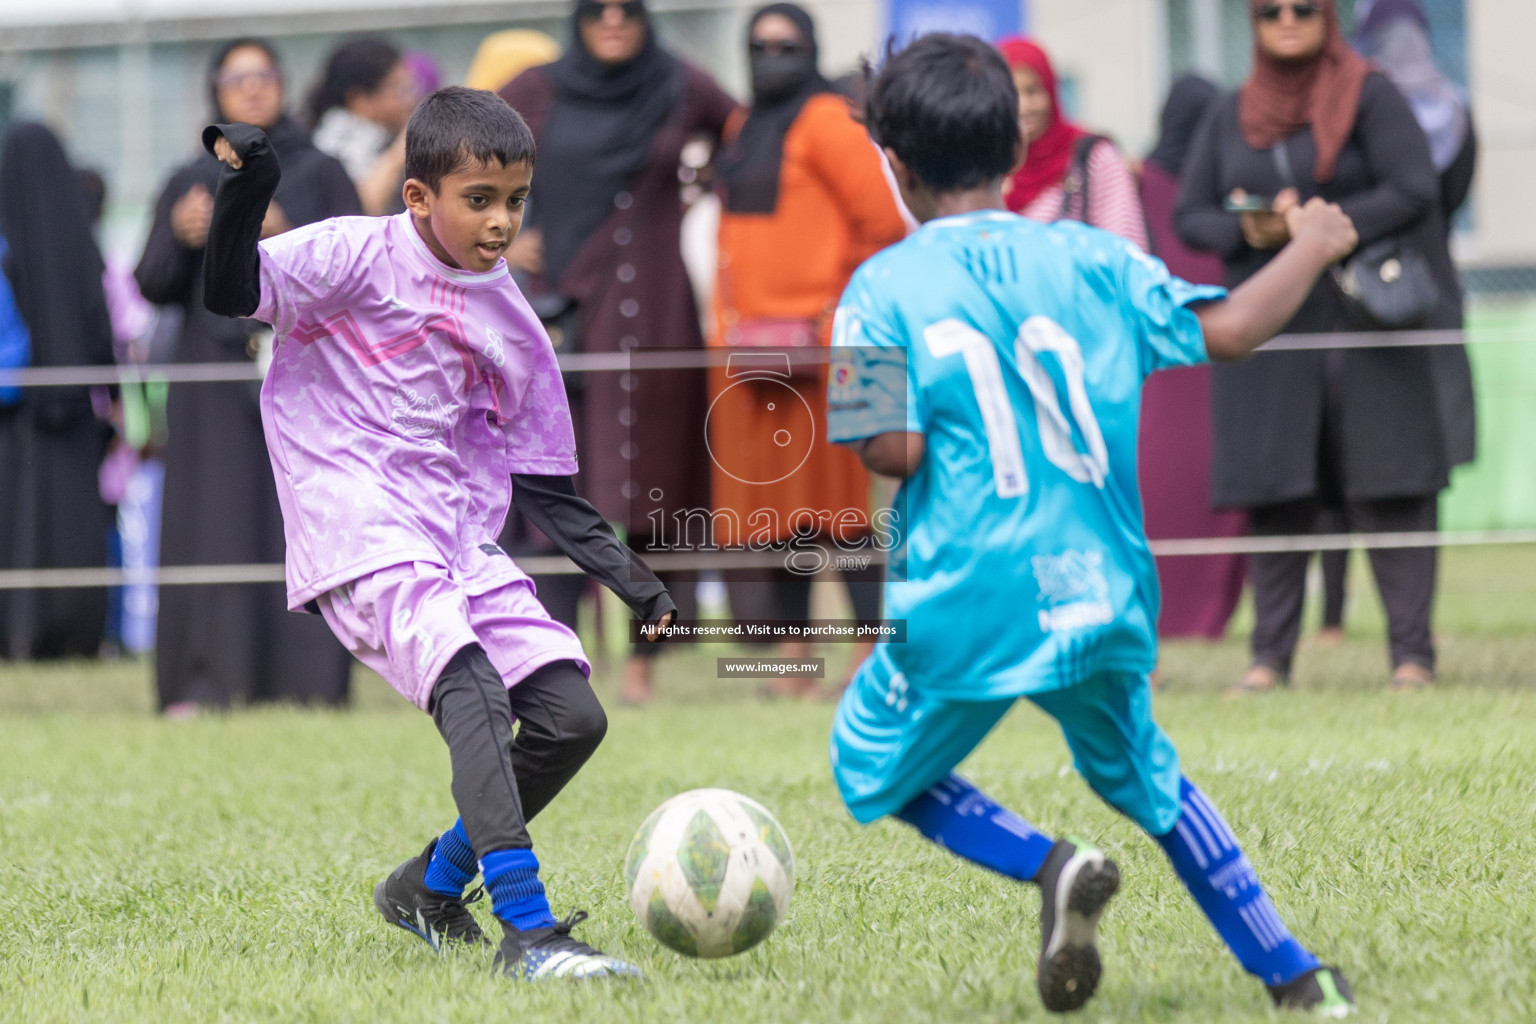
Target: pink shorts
{"type": "Point", "coordinates": [406, 622]}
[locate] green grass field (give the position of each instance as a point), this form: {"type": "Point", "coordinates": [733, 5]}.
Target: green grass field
{"type": "Point", "coordinates": [220, 869]}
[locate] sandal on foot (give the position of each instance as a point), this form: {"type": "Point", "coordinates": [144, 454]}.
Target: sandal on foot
{"type": "Point", "coordinates": [1410, 677]}
{"type": "Point", "coordinates": [1258, 679]}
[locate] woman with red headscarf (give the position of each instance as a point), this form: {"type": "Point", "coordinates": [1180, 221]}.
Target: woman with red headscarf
{"type": "Point", "coordinates": [1299, 431]}
{"type": "Point", "coordinates": [1068, 173]}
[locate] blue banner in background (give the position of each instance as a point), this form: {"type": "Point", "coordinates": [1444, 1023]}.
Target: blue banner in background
{"type": "Point", "coordinates": [989, 19]}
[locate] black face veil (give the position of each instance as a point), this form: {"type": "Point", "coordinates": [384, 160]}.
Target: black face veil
{"type": "Point", "coordinates": [782, 83]}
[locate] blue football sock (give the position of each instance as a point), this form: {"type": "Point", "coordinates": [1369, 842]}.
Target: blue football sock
{"type": "Point", "coordinates": [517, 895]}
{"type": "Point", "coordinates": [1217, 874]}
{"type": "Point", "coordinates": [963, 820]}
{"type": "Point", "coordinates": [453, 865]}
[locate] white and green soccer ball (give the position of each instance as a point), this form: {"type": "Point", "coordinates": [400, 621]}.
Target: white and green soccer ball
{"type": "Point", "coordinates": [710, 873]}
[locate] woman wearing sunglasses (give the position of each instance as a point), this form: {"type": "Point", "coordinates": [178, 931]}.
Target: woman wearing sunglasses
{"type": "Point", "coordinates": [224, 645]}
{"type": "Point", "coordinates": [602, 239]}
{"type": "Point", "coordinates": [1298, 431]}
{"type": "Point", "coordinates": [805, 201]}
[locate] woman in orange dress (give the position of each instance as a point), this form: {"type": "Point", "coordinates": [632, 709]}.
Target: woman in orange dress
{"type": "Point", "coordinates": [805, 201]}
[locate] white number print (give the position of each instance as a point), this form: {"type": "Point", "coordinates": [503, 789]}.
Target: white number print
{"type": "Point", "coordinates": [1042, 334]}
{"type": "Point", "coordinates": [1038, 334]}
{"type": "Point", "coordinates": [951, 337]}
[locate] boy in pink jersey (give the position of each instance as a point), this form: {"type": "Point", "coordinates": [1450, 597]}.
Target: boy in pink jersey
{"type": "Point", "coordinates": [413, 397]}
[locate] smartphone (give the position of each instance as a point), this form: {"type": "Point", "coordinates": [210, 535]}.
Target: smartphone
{"type": "Point", "coordinates": [1249, 204]}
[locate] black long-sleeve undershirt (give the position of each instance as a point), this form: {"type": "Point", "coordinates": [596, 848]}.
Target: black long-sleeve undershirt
{"type": "Point", "coordinates": [231, 260]}
{"type": "Point", "coordinates": [582, 535]}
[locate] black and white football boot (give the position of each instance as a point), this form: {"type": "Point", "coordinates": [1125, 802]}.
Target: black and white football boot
{"type": "Point", "coordinates": [1322, 992]}
{"type": "Point", "coordinates": [406, 902]}
{"type": "Point", "coordinates": [538, 954]}
{"type": "Point", "coordinates": [1076, 883]}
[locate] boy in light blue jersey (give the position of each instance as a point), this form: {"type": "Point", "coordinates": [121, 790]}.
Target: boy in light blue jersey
{"type": "Point", "coordinates": [996, 365]}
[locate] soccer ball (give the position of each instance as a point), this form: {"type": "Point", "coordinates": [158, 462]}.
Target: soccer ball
{"type": "Point", "coordinates": [710, 873]}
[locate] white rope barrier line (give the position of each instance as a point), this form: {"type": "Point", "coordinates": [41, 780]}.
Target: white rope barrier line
{"type": "Point", "coordinates": [94, 376]}
{"type": "Point", "coordinates": [202, 575]}
{"type": "Point", "coordinates": [1339, 542]}
{"type": "Point", "coordinates": [1385, 339]}
{"type": "Point", "coordinates": [556, 565]}
{"type": "Point", "coordinates": [683, 359]}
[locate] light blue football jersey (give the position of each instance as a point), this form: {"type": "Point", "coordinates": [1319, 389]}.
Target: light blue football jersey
{"type": "Point", "coordinates": [1018, 350]}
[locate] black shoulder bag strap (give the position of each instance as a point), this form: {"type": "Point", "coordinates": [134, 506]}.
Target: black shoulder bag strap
{"type": "Point", "coordinates": [1075, 193]}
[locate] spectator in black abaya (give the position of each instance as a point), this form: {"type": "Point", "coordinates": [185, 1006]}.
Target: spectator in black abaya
{"type": "Point", "coordinates": [223, 645]}
{"type": "Point", "coordinates": [51, 441]}
{"type": "Point", "coordinates": [1297, 431]}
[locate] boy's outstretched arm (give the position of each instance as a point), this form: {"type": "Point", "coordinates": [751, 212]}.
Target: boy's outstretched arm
{"type": "Point", "coordinates": [1260, 307]}
{"type": "Point", "coordinates": [895, 454]}
{"type": "Point", "coordinates": [582, 535]}
{"type": "Point", "coordinates": [231, 261]}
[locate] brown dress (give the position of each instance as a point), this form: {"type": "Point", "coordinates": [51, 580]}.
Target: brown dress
{"type": "Point", "coordinates": [640, 437]}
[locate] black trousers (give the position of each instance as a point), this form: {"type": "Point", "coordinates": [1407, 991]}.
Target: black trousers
{"type": "Point", "coordinates": [501, 783]}
{"type": "Point", "coordinates": [1335, 566]}
{"type": "Point", "coordinates": [1404, 576]}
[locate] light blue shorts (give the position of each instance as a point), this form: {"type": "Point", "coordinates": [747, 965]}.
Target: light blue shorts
{"type": "Point", "coordinates": [891, 742]}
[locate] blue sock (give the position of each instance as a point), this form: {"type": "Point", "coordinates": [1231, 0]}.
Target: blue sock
{"type": "Point", "coordinates": [1217, 874]}
{"type": "Point", "coordinates": [963, 820]}
{"type": "Point", "coordinates": [453, 865]}
{"type": "Point", "coordinates": [517, 895]}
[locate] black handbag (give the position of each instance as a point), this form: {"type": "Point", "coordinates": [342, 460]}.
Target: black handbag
{"type": "Point", "coordinates": [1385, 286]}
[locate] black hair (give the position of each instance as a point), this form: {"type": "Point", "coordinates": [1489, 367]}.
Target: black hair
{"type": "Point", "coordinates": [948, 107]}
{"type": "Point", "coordinates": [362, 62]}
{"type": "Point", "coordinates": [95, 188]}
{"type": "Point", "coordinates": [216, 64]}
{"type": "Point", "coordinates": [456, 126]}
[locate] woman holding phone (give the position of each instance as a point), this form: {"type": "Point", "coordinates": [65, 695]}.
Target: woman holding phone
{"type": "Point", "coordinates": [1357, 428]}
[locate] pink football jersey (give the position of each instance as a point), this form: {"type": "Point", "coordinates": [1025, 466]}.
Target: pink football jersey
{"type": "Point", "coordinates": [403, 394]}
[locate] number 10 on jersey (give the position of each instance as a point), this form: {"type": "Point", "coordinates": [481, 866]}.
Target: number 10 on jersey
{"type": "Point", "coordinates": [1037, 335]}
